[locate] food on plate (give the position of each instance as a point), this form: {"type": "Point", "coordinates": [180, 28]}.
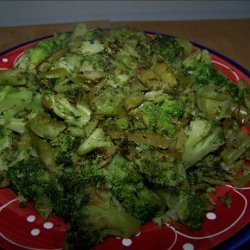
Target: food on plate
{"type": "Point", "coordinates": [110, 129]}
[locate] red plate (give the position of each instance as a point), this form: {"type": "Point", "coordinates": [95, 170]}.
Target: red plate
{"type": "Point", "coordinates": [23, 228]}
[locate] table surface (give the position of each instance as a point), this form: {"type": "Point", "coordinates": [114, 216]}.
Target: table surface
{"type": "Point", "coordinates": [228, 37]}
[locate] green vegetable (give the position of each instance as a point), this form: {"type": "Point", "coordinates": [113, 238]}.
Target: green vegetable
{"type": "Point", "coordinates": [111, 129]}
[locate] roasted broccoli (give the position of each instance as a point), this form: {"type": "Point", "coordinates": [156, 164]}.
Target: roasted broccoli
{"type": "Point", "coordinates": [187, 205]}
{"type": "Point", "coordinates": [128, 187]}
{"type": "Point", "coordinates": [76, 115]}
{"type": "Point", "coordinates": [203, 137]}
{"type": "Point", "coordinates": [110, 129]}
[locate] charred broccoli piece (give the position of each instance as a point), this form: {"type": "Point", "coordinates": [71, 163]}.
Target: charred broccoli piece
{"type": "Point", "coordinates": [203, 137]}
{"type": "Point", "coordinates": [128, 187]}
{"type": "Point", "coordinates": [187, 205]}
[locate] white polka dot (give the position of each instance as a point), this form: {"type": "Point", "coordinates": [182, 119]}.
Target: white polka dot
{"type": "Point", "coordinates": [188, 246]}
{"type": "Point", "coordinates": [5, 59]}
{"type": "Point", "coordinates": [48, 225]}
{"type": "Point", "coordinates": [127, 242]}
{"type": "Point", "coordinates": [35, 232]}
{"type": "Point", "coordinates": [211, 216]}
{"type": "Point", "coordinates": [138, 234]}
{"type": "Point", "coordinates": [31, 218]}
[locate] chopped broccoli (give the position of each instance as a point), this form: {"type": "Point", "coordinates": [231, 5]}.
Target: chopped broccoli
{"type": "Point", "coordinates": [236, 148]}
{"type": "Point", "coordinates": [44, 126]}
{"type": "Point", "coordinates": [203, 137]}
{"type": "Point", "coordinates": [160, 172]}
{"type": "Point", "coordinates": [158, 77]}
{"type": "Point", "coordinates": [12, 77]}
{"type": "Point", "coordinates": [76, 115]}
{"type": "Point", "coordinates": [170, 49]}
{"type": "Point", "coordinates": [64, 147]}
{"type": "Point", "coordinates": [33, 181]}
{"type": "Point", "coordinates": [199, 66]}
{"type": "Point", "coordinates": [97, 139]}
{"type": "Point", "coordinates": [187, 205]}
{"type": "Point", "coordinates": [163, 117]}
{"type": "Point", "coordinates": [34, 56]}
{"type": "Point", "coordinates": [128, 187]}
{"type": "Point", "coordinates": [214, 103]}
{"type": "Point", "coordinates": [94, 212]}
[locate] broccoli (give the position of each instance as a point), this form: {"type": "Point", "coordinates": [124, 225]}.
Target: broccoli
{"type": "Point", "coordinates": [88, 48]}
{"type": "Point", "coordinates": [11, 152]}
{"type": "Point", "coordinates": [8, 141]}
{"type": "Point", "coordinates": [162, 174]}
{"type": "Point", "coordinates": [12, 77]}
{"type": "Point", "coordinates": [187, 205]}
{"type": "Point", "coordinates": [203, 137]}
{"type": "Point", "coordinates": [95, 67]}
{"type": "Point", "coordinates": [170, 49]}
{"type": "Point", "coordinates": [158, 77]}
{"type": "Point", "coordinates": [214, 103]}
{"type": "Point", "coordinates": [76, 115]}
{"type": "Point", "coordinates": [44, 126]}
{"type": "Point", "coordinates": [30, 179]}
{"type": "Point", "coordinates": [128, 187]}
{"type": "Point", "coordinates": [210, 170]}
{"type": "Point", "coordinates": [199, 66]}
{"type": "Point", "coordinates": [64, 147]}
{"type": "Point", "coordinates": [34, 56]}
{"type": "Point", "coordinates": [237, 144]}
{"type": "Point", "coordinates": [131, 56]}
{"type": "Point", "coordinates": [93, 212]}
{"type": "Point", "coordinates": [16, 124]}
{"type": "Point", "coordinates": [163, 117]}
{"type": "Point", "coordinates": [84, 39]}
{"type": "Point", "coordinates": [15, 105]}
{"type": "Point", "coordinates": [97, 139]}
{"type": "Point", "coordinates": [45, 153]}
{"type": "Point", "coordinates": [107, 101]}
{"type": "Point", "coordinates": [70, 62]}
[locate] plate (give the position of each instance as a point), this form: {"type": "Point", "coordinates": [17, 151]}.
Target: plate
{"type": "Point", "coordinates": [23, 228]}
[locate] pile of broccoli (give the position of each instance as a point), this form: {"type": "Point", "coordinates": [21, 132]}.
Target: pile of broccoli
{"type": "Point", "coordinates": [110, 129]}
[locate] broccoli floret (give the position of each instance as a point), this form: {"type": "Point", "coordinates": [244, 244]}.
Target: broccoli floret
{"type": "Point", "coordinates": [162, 174]}
{"type": "Point", "coordinates": [187, 205]}
{"type": "Point", "coordinates": [30, 179]}
{"type": "Point", "coordinates": [203, 137]}
{"type": "Point", "coordinates": [210, 170]}
{"type": "Point", "coordinates": [128, 187]}
{"type": "Point", "coordinates": [76, 115]}
{"type": "Point", "coordinates": [88, 48]}
{"type": "Point", "coordinates": [97, 139]}
{"type": "Point", "coordinates": [214, 103]}
{"type": "Point", "coordinates": [11, 152]}
{"type": "Point", "coordinates": [163, 117]}
{"type": "Point", "coordinates": [64, 147]}
{"type": "Point", "coordinates": [107, 101]}
{"type": "Point", "coordinates": [94, 212]}
{"type": "Point", "coordinates": [8, 141]}
{"type": "Point", "coordinates": [133, 56]}
{"type": "Point", "coordinates": [33, 56]}
{"type": "Point", "coordinates": [95, 67]}
{"type": "Point", "coordinates": [199, 66]}
{"type": "Point", "coordinates": [13, 102]}
{"type": "Point", "coordinates": [170, 49]}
